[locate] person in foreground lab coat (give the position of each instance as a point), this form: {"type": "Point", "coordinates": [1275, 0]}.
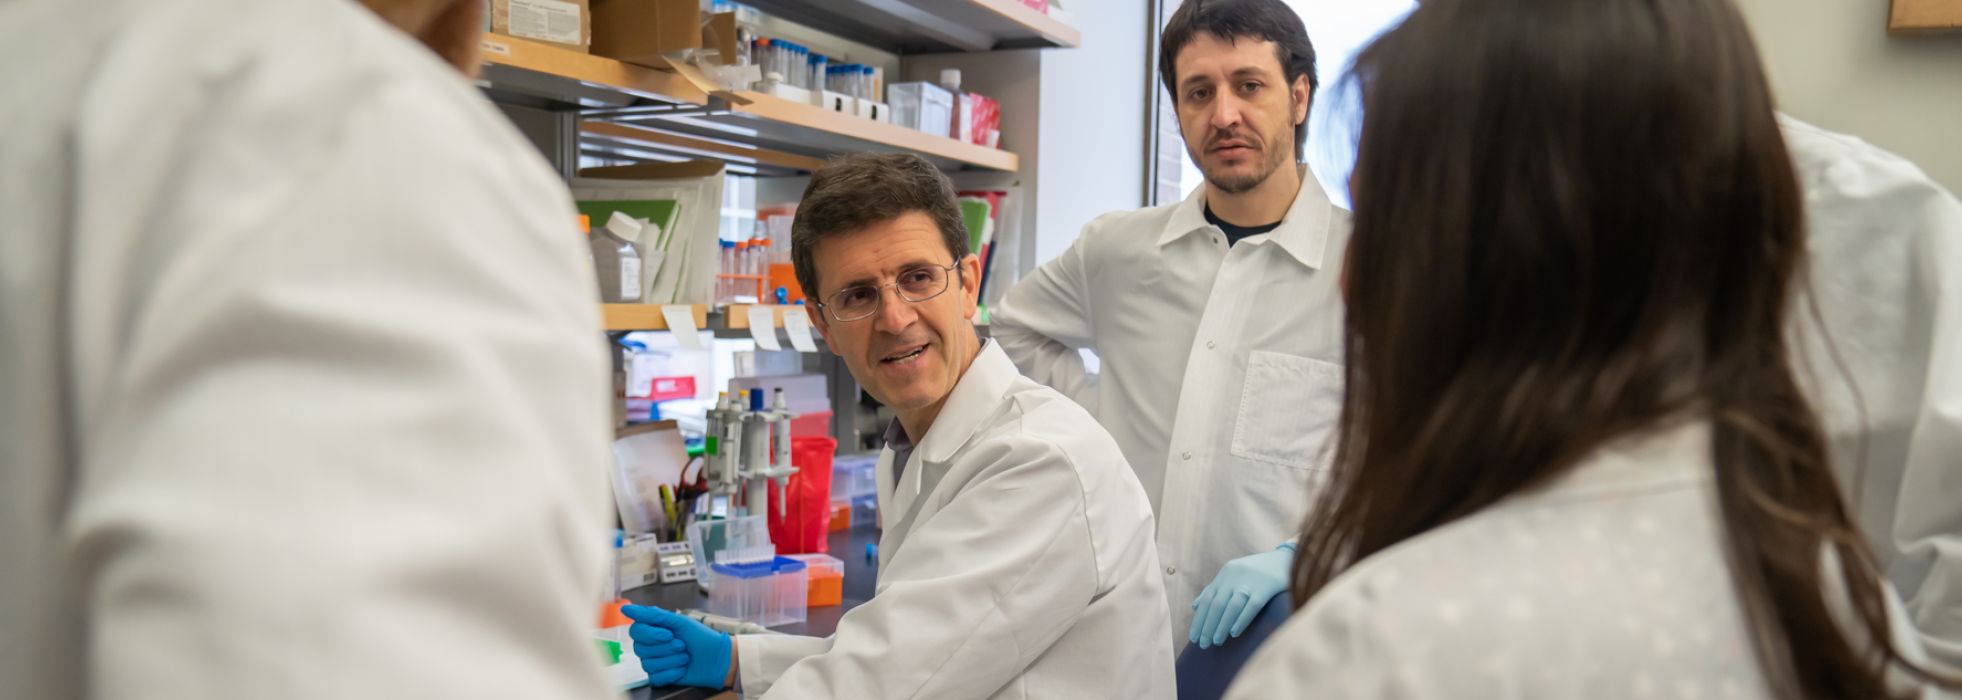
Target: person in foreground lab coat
{"type": "Point", "coordinates": [1887, 275]}
{"type": "Point", "coordinates": [1016, 559]}
{"type": "Point", "coordinates": [1574, 458]}
{"type": "Point", "coordinates": [1216, 321]}
{"type": "Point", "coordinates": [301, 387]}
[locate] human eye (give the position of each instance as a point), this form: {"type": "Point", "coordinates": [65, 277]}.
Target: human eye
{"type": "Point", "coordinates": [919, 280]}
{"type": "Point", "coordinates": [856, 297]}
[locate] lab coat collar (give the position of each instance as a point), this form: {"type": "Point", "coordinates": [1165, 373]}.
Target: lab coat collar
{"type": "Point", "coordinates": [1303, 232]}
{"type": "Point", "coordinates": [975, 397]}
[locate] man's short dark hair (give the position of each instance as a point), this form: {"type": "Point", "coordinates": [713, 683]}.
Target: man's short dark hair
{"type": "Point", "coordinates": [856, 191]}
{"type": "Point", "coordinates": [1229, 20]}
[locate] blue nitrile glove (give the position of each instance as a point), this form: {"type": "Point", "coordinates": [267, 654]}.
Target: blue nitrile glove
{"type": "Point", "coordinates": [675, 650]}
{"type": "Point", "coordinates": [1237, 594]}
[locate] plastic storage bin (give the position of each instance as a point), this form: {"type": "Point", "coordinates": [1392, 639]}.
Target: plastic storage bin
{"type": "Point", "coordinates": [770, 592]}
{"type": "Point", "coordinates": [825, 575]}
{"type": "Point", "coordinates": [708, 538]}
{"type": "Point", "coordinates": [854, 489]}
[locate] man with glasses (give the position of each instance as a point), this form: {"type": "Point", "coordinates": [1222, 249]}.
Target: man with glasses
{"type": "Point", "coordinates": [1017, 556]}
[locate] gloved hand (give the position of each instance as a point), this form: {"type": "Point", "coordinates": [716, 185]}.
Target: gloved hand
{"type": "Point", "coordinates": [676, 650]}
{"type": "Point", "coordinates": [1237, 594]}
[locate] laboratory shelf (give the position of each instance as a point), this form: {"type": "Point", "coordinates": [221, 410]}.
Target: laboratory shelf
{"type": "Point", "coordinates": [929, 26]}
{"type": "Point", "coordinates": [647, 317]}
{"type": "Point", "coordinates": [644, 114]}
{"type": "Point", "coordinates": [777, 124]}
{"type": "Point", "coordinates": [516, 69]}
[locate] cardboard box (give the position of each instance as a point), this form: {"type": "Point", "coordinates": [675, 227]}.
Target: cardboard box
{"type": "Point", "coordinates": [641, 31]}
{"type": "Point", "coordinates": [567, 24]}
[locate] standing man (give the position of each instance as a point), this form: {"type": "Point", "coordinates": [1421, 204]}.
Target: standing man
{"type": "Point", "coordinates": [1016, 559]}
{"type": "Point", "coordinates": [302, 388]}
{"type": "Point", "coordinates": [1217, 320]}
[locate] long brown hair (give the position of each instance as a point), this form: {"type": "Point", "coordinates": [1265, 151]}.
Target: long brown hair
{"type": "Point", "coordinates": [1576, 220]}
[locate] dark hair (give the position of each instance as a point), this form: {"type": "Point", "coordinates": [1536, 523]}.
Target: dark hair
{"type": "Point", "coordinates": [1268, 20]}
{"type": "Point", "coordinates": [1576, 220]}
{"type": "Point", "coordinates": [858, 190]}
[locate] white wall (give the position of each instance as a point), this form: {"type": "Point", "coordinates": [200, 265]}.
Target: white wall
{"type": "Point", "coordinates": [1075, 116]}
{"type": "Point", "coordinates": [1833, 64]}
{"type": "Point", "coordinates": [1092, 133]}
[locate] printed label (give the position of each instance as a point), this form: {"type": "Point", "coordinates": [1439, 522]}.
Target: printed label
{"type": "Point", "coordinates": [546, 20]}
{"type": "Point", "coordinates": [630, 279]}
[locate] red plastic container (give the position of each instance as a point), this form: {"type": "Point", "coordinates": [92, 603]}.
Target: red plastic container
{"type": "Point", "coordinates": [803, 529]}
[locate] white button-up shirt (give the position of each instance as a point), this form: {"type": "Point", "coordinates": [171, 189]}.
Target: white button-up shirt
{"type": "Point", "coordinates": [1220, 373]}
{"type": "Point", "coordinates": [1886, 246]}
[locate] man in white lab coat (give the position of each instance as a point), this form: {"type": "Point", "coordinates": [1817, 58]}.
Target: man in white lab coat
{"type": "Point", "coordinates": [301, 381]}
{"type": "Point", "coordinates": [1016, 559]}
{"type": "Point", "coordinates": [1217, 320]}
{"type": "Point", "coordinates": [1886, 246]}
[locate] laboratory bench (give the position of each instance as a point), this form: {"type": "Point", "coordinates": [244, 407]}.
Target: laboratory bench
{"type": "Point", "coordinates": [861, 574]}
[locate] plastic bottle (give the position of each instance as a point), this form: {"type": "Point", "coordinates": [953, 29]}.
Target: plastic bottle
{"type": "Point", "coordinates": [725, 287]}
{"type": "Point", "coordinates": [819, 65]}
{"type": "Point", "coordinates": [616, 257]}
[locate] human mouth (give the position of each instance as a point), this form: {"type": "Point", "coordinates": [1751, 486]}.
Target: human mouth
{"type": "Point", "coordinates": [907, 356]}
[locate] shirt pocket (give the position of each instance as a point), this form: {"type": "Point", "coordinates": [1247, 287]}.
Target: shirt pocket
{"type": "Point", "coordinates": [1288, 410]}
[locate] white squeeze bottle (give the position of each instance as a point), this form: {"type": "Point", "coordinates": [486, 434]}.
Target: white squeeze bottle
{"type": "Point", "coordinates": [617, 259]}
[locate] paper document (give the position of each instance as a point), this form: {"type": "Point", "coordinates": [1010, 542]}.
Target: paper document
{"type": "Point", "coordinates": [681, 322]}
{"type": "Point", "coordinates": [798, 325]}
{"type": "Point", "coordinates": [763, 327]}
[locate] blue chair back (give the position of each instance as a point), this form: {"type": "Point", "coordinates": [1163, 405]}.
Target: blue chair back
{"type": "Point", "coordinates": [1203, 674]}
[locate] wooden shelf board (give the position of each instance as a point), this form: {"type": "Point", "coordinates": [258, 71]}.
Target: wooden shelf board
{"type": "Point", "coordinates": [590, 70]}
{"type": "Point", "coordinates": [646, 317]}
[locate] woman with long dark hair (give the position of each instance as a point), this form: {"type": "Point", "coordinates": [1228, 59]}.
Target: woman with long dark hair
{"type": "Point", "coordinates": [1573, 460]}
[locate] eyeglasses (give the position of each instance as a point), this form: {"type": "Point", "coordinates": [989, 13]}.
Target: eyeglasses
{"type": "Point", "coordinates": [916, 285]}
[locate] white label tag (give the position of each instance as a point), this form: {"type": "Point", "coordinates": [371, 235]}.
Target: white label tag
{"type": "Point", "coordinates": [640, 375]}
{"type": "Point", "coordinates": [763, 327]}
{"type": "Point", "coordinates": [497, 48]}
{"type": "Point", "coordinates": [546, 20]}
{"type": "Point", "coordinates": [681, 322]}
{"type": "Point", "coordinates": [798, 325]}
{"type": "Point", "coordinates": [630, 279]}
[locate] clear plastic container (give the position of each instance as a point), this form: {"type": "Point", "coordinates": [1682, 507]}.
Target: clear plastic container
{"type": "Point", "coordinates": [769, 593]}
{"type": "Point", "coordinates": [854, 477]}
{"type": "Point", "coordinates": [709, 538]}
{"type": "Point", "coordinates": [825, 579]}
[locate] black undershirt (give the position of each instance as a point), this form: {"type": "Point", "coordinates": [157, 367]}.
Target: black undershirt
{"type": "Point", "coordinates": [1235, 233]}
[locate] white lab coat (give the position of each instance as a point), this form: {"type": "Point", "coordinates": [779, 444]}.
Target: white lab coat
{"type": "Point", "coordinates": [1610, 582]}
{"type": "Point", "coordinates": [1016, 562]}
{"type": "Point", "coordinates": [1886, 247]}
{"type": "Point", "coordinates": [302, 392]}
{"type": "Point", "coordinates": [1221, 369]}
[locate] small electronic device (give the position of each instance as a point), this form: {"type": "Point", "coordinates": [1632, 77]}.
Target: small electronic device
{"type": "Point", "coordinates": [676, 562]}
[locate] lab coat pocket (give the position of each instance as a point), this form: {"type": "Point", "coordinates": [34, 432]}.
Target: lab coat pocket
{"type": "Point", "coordinates": [1288, 409]}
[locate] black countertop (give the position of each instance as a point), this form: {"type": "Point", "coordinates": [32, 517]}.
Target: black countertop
{"type": "Point", "coordinates": [861, 574]}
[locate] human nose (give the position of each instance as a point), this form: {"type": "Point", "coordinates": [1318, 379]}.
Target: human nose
{"type": "Point", "coordinates": [1226, 113]}
{"type": "Point", "coordinates": [895, 314]}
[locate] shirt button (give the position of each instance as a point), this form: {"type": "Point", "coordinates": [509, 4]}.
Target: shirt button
{"type": "Point", "coordinates": [1171, 571]}
{"type": "Point", "coordinates": [1187, 455]}
{"type": "Point", "coordinates": [1210, 345]}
